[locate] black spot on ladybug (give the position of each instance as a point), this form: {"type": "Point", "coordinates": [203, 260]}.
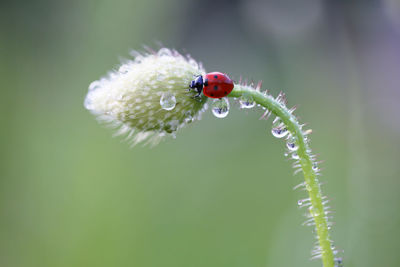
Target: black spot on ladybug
{"type": "Point", "coordinates": [215, 87]}
{"type": "Point", "coordinates": [211, 94]}
{"type": "Point", "coordinates": [226, 92]}
{"type": "Point", "coordinates": [216, 76]}
{"type": "Point", "coordinates": [206, 82]}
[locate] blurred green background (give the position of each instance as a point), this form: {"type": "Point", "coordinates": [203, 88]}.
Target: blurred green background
{"type": "Point", "coordinates": [221, 193]}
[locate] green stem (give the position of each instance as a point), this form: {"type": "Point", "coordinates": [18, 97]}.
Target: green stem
{"type": "Point", "coordinates": [306, 161]}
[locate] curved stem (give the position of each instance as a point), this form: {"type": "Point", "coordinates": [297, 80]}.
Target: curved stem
{"type": "Point", "coordinates": [306, 161]}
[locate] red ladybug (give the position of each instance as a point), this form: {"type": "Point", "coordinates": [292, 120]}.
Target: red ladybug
{"type": "Point", "coordinates": [213, 85]}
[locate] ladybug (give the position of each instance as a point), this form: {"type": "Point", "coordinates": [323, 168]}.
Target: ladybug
{"type": "Point", "coordinates": [213, 85]}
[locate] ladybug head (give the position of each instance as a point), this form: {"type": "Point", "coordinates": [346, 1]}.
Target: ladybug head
{"type": "Point", "coordinates": [197, 84]}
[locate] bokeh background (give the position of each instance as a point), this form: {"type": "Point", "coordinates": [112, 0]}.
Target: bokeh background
{"type": "Point", "coordinates": [220, 194]}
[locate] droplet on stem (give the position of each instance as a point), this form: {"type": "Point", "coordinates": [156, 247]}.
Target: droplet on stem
{"type": "Point", "coordinates": [291, 143]}
{"type": "Point", "coordinates": [313, 211]}
{"type": "Point", "coordinates": [315, 167]}
{"type": "Point", "coordinates": [247, 101]}
{"type": "Point", "coordinates": [279, 131]}
{"type": "Point", "coordinates": [295, 156]}
{"type": "Point", "coordinates": [338, 262]}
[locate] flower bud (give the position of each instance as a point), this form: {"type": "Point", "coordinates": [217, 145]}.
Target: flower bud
{"type": "Point", "coordinates": [148, 97]}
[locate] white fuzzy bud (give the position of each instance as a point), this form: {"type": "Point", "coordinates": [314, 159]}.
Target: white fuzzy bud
{"type": "Point", "coordinates": [149, 96]}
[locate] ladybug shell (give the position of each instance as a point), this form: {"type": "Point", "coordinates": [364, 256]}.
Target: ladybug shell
{"type": "Point", "coordinates": [217, 85]}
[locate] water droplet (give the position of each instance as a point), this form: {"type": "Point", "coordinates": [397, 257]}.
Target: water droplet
{"type": "Point", "coordinates": [304, 202]}
{"type": "Point", "coordinates": [220, 107]}
{"type": "Point", "coordinates": [188, 116]}
{"type": "Point", "coordinates": [168, 101]}
{"type": "Point", "coordinates": [338, 262]}
{"type": "Point", "coordinates": [279, 132]}
{"type": "Point", "coordinates": [313, 211]}
{"type": "Point", "coordinates": [291, 144]}
{"type": "Point", "coordinates": [171, 126]}
{"type": "Point", "coordinates": [308, 187]}
{"type": "Point", "coordinates": [88, 103]}
{"type": "Point", "coordinates": [295, 156]}
{"type": "Point", "coordinates": [246, 101]}
{"type": "Point", "coordinates": [94, 85]}
{"type": "Point", "coordinates": [120, 97]}
{"type": "Point", "coordinates": [315, 167]}
{"type": "Point", "coordinates": [124, 69]}
{"type": "Point", "coordinates": [164, 52]}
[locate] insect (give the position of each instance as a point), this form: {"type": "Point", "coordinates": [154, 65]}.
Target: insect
{"type": "Point", "coordinates": [213, 85]}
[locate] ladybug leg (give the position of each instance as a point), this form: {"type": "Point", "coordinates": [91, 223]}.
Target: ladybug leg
{"type": "Point", "coordinates": [190, 90]}
{"type": "Point", "coordinates": [199, 90]}
{"type": "Point", "coordinates": [197, 96]}
{"type": "Point", "coordinates": [197, 86]}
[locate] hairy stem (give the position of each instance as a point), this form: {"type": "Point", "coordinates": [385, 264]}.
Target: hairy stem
{"type": "Point", "coordinates": [306, 161]}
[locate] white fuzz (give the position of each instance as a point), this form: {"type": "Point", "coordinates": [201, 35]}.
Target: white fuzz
{"type": "Point", "coordinates": [148, 97]}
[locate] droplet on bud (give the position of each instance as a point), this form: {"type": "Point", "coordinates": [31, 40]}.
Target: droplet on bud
{"type": "Point", "coordinates": [171, 126]}
{"type": "Point", "coordinates": [88, 103]}
{"type": "Point", "coordinates": [164, 52]}
{"type": "Point", "coordinates": [189, 116]}
{"type": "Point", "coordinates": [94, 85]}
{"type": "Point", "coordinates": [220, 107]}
{"type": "Point", "coordinates": [168, 101]}
{"type": "Point", "coordinates": [124, 68]}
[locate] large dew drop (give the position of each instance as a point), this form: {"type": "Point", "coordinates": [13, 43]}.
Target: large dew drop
{"type": "Point", "coordinates": [220, 107]}
{"type": "Point", "coordinates": [168, 101]}
{"type": "Point", "coordinates": [246, 101]}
